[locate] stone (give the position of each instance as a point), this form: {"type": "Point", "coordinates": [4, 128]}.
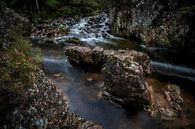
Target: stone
{"type": "Point", "coordinates": [123, 71]}
{"type": "Point", "coordinates": [84, 57]}
{"type": "Point", "coordinates": [96, 58]}
{"type": "Point", "coordinates": [125, 79]}
{"type": "Point", "coordinates": [168, 108]}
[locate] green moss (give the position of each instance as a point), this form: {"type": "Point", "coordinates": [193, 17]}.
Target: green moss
{"type": "Point", "coordinates": [74, 40]}
{"type": "Point", "coordinates": [65, 30]}
{"type": "Point", "coordinates": [185, 11]}
{"type": "Point", "coordinates": [165, 41]}
{"type": "Point", "coordinates": [19, 67]}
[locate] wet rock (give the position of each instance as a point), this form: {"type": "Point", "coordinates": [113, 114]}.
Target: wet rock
{"type": "Point", "coordinates": [174, 98]}
{"type": "Point", "coordinates": [50, 30]}
{"type": "Point", "coordinates": [96, 58]}
{"type": "Point", "coordinates": [123, 71]}
{"type": "Point", "coordinates": [84, 57]}
{"type": "Point", "coordinates": [124, 79]}
{"type": "Point", "coordinates": [166, 102]}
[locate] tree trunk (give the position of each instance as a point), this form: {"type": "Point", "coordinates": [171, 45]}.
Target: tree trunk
{"type": "Point", "coordinates": [37, 5]}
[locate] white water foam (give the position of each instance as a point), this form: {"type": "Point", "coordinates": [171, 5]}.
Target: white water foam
{"type": "Point", "coordinates": [91, 30]}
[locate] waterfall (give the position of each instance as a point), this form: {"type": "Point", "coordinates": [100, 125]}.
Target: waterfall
{"type": "Point", "coordinates": [91, 30]}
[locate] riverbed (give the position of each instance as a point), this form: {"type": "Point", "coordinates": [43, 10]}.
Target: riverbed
{"type": "Point", "coordinates": [83, 88]}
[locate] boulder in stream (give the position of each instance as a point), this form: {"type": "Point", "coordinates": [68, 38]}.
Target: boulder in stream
{"type": "Point", "coordinates": [123, 71]}
{"type": "Point", "coordinates": [124, 74]}
{"type": "Point", "coordinates": [124, 78]}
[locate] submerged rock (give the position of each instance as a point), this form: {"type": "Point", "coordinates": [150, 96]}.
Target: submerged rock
{"type": "Point", "coordinates": [166, 101]}
{"type": "Point", "coordinates": [89, 125]}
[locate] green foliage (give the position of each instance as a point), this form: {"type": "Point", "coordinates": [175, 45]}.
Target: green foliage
{"type": "Point", "coordinates": [51, 3]}
{"type": "Point", "coordinates": [63, 29]}
{"type": "Point", "coordinates": [187, 11]}
{"type": "Point", "coordinates": [39, 10]}
{"type": "Point", "coordinates": [73, 40]}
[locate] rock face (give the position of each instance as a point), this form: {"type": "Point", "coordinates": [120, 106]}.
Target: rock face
{"type": "Point", "coordinates": [123, 71]}
{"type": "Point", "coordinates": [156, 22]}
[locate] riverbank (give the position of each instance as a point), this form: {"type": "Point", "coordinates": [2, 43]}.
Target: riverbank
{"type": "Point", "coordinates": [29, 99]}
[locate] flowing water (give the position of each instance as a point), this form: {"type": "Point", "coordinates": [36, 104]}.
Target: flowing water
{"type": "Point", "coordinates": [82, 88]}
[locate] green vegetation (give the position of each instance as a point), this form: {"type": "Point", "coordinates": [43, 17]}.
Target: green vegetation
{"type": "Point", "coordinates": [39, 10]}
{"type": "Point", "coordinates": [64, 30]}
{"type": "Point", "coordinates": [184, 12]}
{"type": "Point", "coordinates": [19, 66]}
{"type": "Point", "coordinates": [19, 63]}
{"type": "Point", "coordinates": [73, 40]}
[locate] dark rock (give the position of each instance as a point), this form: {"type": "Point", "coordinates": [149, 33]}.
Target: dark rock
{"type": "Point", "coordinates": [155, 22]}
{"type": "Point", "coordinates": [123, 71]}
{"type": "Point", "coordinates": [12, 25]}
{"type": "Point", "coordinates": [85, 57]}
{"type": "Point", "coordinates": [124, 78]}
{"type": "Point", "coordinates": [96, 58]}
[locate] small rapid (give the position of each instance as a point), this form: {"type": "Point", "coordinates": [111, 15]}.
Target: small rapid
{"type": "Point", "coordinates": [91, 30]}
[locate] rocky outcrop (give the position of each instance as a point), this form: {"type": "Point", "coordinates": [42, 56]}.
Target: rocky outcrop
{"type": "Point", "coordinates": [123, 71]}
{"type": "Point", "coordinates": [45, 106]}
{"type": "Point", "coordinates": [124, 78]}
{"type": "Point", "coordinates": [166, 23]}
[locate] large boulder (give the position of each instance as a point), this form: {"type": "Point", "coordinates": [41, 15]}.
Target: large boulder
{"type": "Point", "coordinates": [12, 25]}
{"type": "Point", "coordinates": [124, 78]}
{"type": "Point", "coordinates": [96, 58]}
{"type": "Point", "coordinates": [90, 59]}
{"type": "Point", "coordinates": [123, 71]}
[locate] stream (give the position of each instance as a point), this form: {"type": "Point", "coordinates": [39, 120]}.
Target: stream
{"type": "Point", "coordinates": [83, 88]}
